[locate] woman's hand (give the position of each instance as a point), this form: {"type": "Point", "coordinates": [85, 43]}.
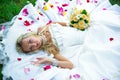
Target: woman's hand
{"type": "Point", "coordinates": [42, 60]}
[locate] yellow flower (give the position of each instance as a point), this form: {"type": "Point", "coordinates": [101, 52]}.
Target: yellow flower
{"type": "Point", "coordinates": [81, 24]}
{"type": "Point", "coordinates": [75, 19]}
{"type": "Point", "coordinates": [45, 7]}
{"type": "Point", "coordinates": [71, 17]}
{"type": "Point", "coordinates": [84, 16]}
{"type": "Point", "coordinates": [75, 25]}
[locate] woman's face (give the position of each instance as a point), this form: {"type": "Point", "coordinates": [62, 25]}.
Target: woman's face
{"type": "Point", "coordinates": [31, 43]}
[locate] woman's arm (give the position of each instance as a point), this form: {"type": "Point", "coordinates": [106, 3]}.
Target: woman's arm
{"type": "Point", "coordinates": [61, 23]}
{"type": "Point", "coordinates": [61, 61]}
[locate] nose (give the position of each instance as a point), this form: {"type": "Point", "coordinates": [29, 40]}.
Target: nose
{"type": "Point", "coordinates": [34, 44]}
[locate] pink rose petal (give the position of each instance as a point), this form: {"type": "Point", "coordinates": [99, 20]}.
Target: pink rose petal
{"type": "Point", "coordinates": [44, 3]}
{"type": "Point", "coordinates": [88, 1]}
{"type": "Point", "coordinates": [47, 67]}
{"type": "Point", "coordinates": [50, 21]}
{"type": "Point", "coordinates": [111, 39]}
{"type": "Point", "coordinates": [26, 23]}
{"type": "Point", "coordinates": [76, 76]}
{"type": "Point", "coordinates": [64, 5]}
{"type": "Point", "coordinates": [104, 8]}
{"type": "Point", "coordinates": [32, 22]}
{"type": "Point", "coordinates": [38, 18]}
{"type": "Point", "coordinates": [20, 18]}
{"type": "Point", "coordinates": [32, 79]}
{"type": "Point", "coordinates": [70, 77]}
{"type": "Point", "coordinates": [25, 12]}
{"type": "Point", "coordinates": [65, 9]}
{"type": "Point", "coordinates": [56, 2]}
{"type": "Point", "coordinates": [78, 2]}
{"type": "Point", "coordinates": [95, 1]}
{"type": "Point", "coordinates": [27, 70]}
{"type": "Point", "coordinates": [19, 59]}
{"type": "Point", "coordinates": [41, 14]}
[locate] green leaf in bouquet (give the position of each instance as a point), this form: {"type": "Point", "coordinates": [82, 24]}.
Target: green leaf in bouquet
{"type": "Point", "coordinates": [84, 12]}
{"type": "Point", "coordinates": [72, 22]}
{"type": "Point", "coordinates": [82, 29]}
{"type": "Point", "coordinates": [86, 21]}
{"type": "Point", "coordinates": [80, 18]}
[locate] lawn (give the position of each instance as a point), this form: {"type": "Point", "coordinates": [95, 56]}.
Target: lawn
{"type": "Point", "coordinates": [10, 8]}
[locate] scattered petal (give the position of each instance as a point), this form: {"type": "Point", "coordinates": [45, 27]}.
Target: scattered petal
{"type": "Point", "coordinates": [50, 21]}
{"type": "Point", "coordinates": [38, 18]}
{"type": "Point", "coordinates": [104, 8]}
{"type": "Point", "coordinates": [78, 2]}
{"type": "Point", "coordinates": [111, 39]}
{"type": "Point", "coordinates": [25, 12]}
{"type": "Point", "coordinates": [32, 79]}
{"type": "Point", "coordinates": [19, 59]}
{"type": "Point", "coordinates": [60, 10]}
{"type": "Point", "coordinates": [26, 23]}
{"type": "Point", "coordinates": [32, 22]}
{"type": "Point", "coordinates": [76, 76]}
{"type": "Point", "coordinates": [47, 67]}
{"type": "Point", "coordinates": [70, 77]}
{"type": "Point", "coordinates": [27, 70]}
{"type": "Point", "coordinates": [64, 5]}
{"type": "Point", "coordinates": [66, 10]}
{"type": "Point", "coordinates": [20, 18]}
{"type": "Point", "coordinates": [88, 1]}
{"type": "Point", "coordinates": [44, 3]}
{"type": "Point", "coordinates": [95, 1]}
{"type": "Point", "coordinates": [105, 79]}
{"type": "Point", "coordinates": [56, 2]}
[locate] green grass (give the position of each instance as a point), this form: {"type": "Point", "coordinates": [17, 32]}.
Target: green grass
{"type": "Point", "coordinates": [115, 2]}
{"type": "Point", "coordinates": [0, 71]}
{"type": "Point", "coordinates": [10, 8]}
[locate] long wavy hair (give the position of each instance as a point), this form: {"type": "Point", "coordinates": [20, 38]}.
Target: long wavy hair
{"type": "Point", "coordinates": [49, 47]}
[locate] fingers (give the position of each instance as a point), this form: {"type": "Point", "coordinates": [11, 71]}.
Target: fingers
{"type": "Point", "coordinates": [38, 61]}
{"type": "Point", "coordinates": [40, 58]}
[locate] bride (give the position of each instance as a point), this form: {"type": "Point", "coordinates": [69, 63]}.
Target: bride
{"type": "Point", "coordinates": [94, 52]}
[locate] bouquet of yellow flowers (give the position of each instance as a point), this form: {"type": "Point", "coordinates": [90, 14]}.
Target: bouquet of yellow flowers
{"type": "Point", "coordinates": [79, 19]}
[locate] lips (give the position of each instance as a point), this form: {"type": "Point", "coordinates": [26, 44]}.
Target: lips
{"type": "Point", "coordinates": [38, 44]}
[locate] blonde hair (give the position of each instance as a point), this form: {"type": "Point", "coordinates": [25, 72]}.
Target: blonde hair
{"type": "Point", "coordinates": [49, 47]}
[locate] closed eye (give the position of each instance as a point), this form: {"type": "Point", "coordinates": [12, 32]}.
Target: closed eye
{"type": "Point", "coordinates": [30, 41]}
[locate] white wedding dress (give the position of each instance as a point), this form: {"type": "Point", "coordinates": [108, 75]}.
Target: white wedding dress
{"type": "Point", "coordinates": [94, 52]}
